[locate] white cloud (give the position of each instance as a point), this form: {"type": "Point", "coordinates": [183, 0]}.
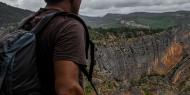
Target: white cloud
{"type": "Point", "coordinates": [26, 4]}
{"type": "Point", "coordinates": [32, 4]}
{"type": "Point", "coordinates": [101, 7]}
{"type": "Point", "coordinates": [11, 2]}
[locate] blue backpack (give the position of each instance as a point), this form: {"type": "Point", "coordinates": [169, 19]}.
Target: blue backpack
{"type": "Point", "coordinates": [18, 65]}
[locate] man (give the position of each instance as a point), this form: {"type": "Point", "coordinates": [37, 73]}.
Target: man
{"type": "Point", "coordinates": [61, 49]}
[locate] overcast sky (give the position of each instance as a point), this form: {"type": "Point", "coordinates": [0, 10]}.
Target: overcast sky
{"type": "Point", "coordinates": [101, 7]}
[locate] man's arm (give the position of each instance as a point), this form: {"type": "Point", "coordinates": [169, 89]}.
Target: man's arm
{"type": "Point", "coordinates": [67, 78]}
{"type": "Point", "coordinates": [69, 53]}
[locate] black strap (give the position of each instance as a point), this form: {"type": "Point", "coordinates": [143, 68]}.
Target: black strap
{"type": "Point", "coordinates": [3, 72]}
{"type": "Point", "coordinates": [44, 22]}
{"type": "Point", "coordinates": [92, 58]}
{"type": "Point", "coordinates": [88, 43]}
{"type": "Point", "coordinates": [82, 22]}
{"type": "Point", "coordinates": [89, 79]}
{"type": "Point", "coordinates": [92, 50]}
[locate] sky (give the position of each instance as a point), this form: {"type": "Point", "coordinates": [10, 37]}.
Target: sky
{"type": "Point", "coordinates": [102, 7]}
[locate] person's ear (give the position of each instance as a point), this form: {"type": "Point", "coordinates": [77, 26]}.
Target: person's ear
{"type": "Point", "coordinates": [75, 5]}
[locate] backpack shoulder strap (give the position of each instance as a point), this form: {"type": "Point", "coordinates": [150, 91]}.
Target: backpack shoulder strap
{"type": "Point", "coordinates": [45, 21]}
{"type": "Point", "coordinates": [90, 44]}
{"type": "Point", "coordinates": [82, 22]}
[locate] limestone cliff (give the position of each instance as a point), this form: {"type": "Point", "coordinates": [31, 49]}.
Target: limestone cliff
{"type": "Point", "coordinates": [149, 65]}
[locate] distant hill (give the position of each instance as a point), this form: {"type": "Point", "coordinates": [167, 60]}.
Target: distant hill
{"type": "Point", "coordinates": [141, 19]}
{"type": "Point", "coordinates": [9, 14]}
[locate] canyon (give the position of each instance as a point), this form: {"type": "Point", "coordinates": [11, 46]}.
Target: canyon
{"type": "Point", "coordinates": [155, 64]}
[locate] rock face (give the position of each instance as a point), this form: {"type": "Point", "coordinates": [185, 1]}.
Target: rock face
{"type": "Point", "coordinates": [150, 65]}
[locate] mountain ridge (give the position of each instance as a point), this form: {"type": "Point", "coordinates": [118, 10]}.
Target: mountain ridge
{"type": "Point", "coordinates": [151, 20]}
{"type": "Point", "coordinates": [12, 14]}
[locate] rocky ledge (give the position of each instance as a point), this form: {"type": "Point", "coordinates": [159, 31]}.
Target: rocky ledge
{"type": "Point", "coordinates": [156, 64]}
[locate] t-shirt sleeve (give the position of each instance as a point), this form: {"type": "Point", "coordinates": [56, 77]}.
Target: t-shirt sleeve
{"type": "Point", "coordinates": [70, 43]}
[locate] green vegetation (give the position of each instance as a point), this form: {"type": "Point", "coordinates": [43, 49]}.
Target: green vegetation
{"type": "Point", "coordinates": [157, 22]}
{"type": "Point", "coordinates": [11, 14]}
{"type": "Point", "coordinates": [88, 89]}
{"type": "Point", "coordinates": [124, 32]}
{"type": "Point", "coordinates": [152, 20]}
{"type": "Point", "coordinates": [117, 26]}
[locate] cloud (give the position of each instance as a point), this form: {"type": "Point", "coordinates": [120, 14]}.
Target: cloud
{"type": "Point", "coordinates": [105, 4]}
{"type": "Point", "coordinates": [32, 4]}
{"type": "Point", "coordinates": [26, 4]}
{"type": "Point", "coordinates": [11, 2]}
{"type": "Point", "coordinates": [101, 7]}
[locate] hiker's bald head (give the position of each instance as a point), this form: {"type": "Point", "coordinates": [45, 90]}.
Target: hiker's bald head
{"type": "Point", "coordinates": [52, 1]}
{"type": "Point", "coordinates": [72, 5]}
{"type": "Point", "coordinates": [56, 1]}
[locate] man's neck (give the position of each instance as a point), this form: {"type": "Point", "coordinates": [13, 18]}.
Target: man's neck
{"type": "Point", "coordinates": [64, 6]}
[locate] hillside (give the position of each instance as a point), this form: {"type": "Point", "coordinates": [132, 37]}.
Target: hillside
{"type": "Point", "coordinates": [141, 19]}
{"type": "Point", "coordinates": [157, 64]}
{"type": "Point", "coordinates": [11, 14]}
{"type": "Point", "coordinates": [134, 61]}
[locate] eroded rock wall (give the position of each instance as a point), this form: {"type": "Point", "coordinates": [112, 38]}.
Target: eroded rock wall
{"type": "Point", "coordinates": [157, 64]}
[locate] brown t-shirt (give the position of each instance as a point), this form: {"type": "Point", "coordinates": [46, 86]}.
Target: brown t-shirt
{"type": "Point", "coordinates": [62, 39]}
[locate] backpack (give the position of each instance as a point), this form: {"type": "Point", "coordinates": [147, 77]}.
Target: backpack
{"type": "Point", "coordinates": [18, 65]}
